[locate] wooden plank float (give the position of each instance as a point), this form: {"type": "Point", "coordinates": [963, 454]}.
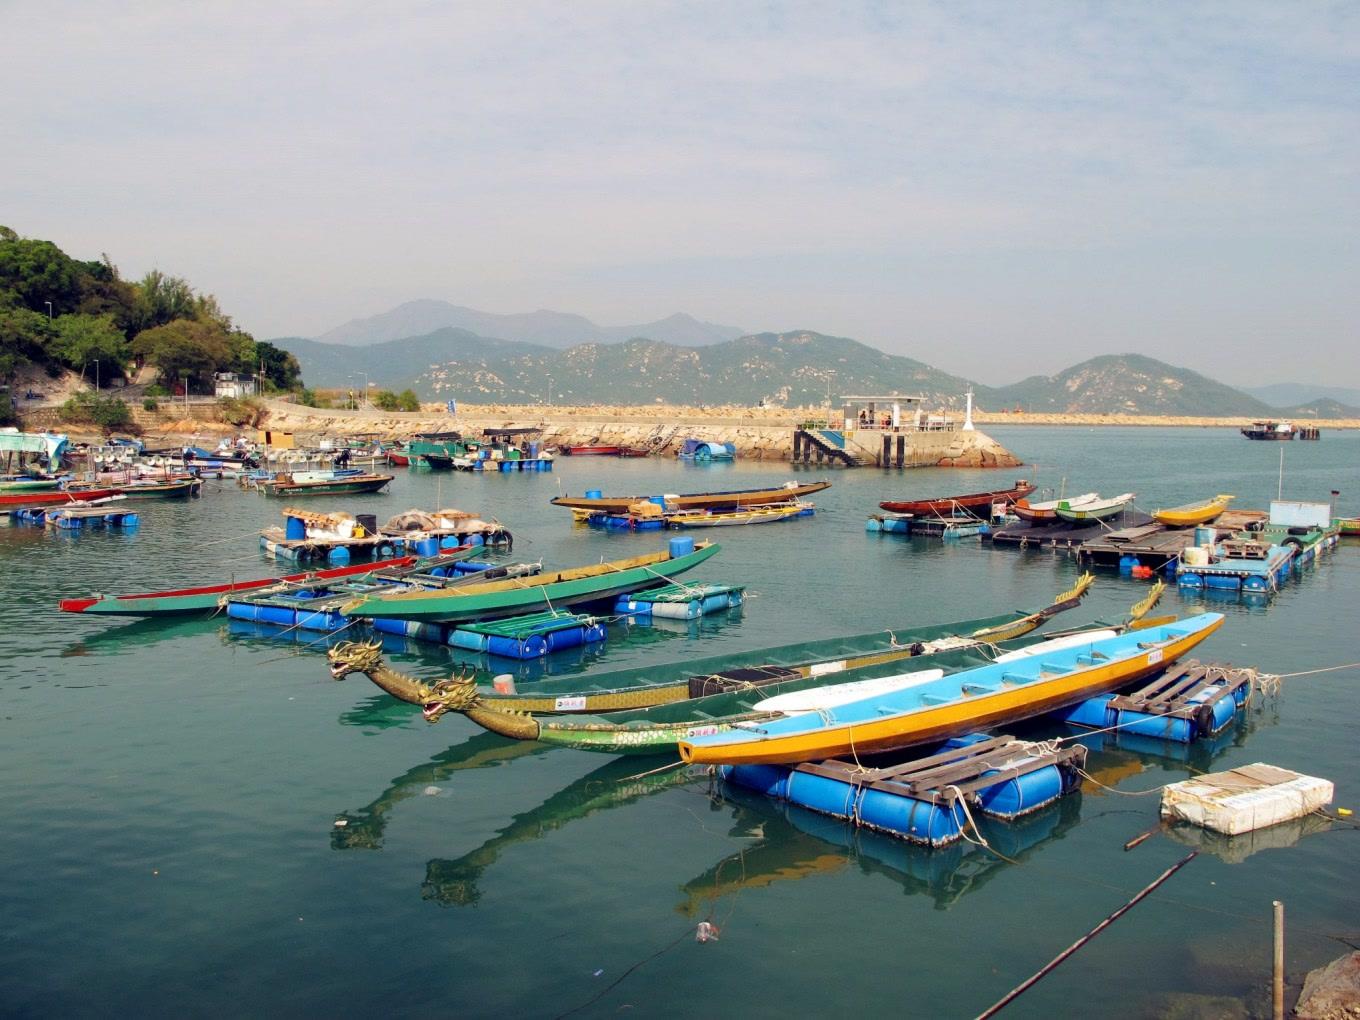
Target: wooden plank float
{"type": "Point", "coordinates": [926, 800]}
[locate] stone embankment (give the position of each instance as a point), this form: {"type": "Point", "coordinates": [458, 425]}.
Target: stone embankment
{"type": "Point", "coordinates": [757, 433]}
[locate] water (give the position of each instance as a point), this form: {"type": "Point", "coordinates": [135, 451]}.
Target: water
{"type": "Point", "coordinates": [171, 790]}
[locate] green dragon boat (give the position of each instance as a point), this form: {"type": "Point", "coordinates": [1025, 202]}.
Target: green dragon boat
{"type": "Point", "coordinates": [659, 728]}
{"type": "Point", "coordinates": [554, 590]}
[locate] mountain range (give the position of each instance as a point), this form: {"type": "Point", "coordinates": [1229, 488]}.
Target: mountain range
{"type": "Point", "coordinates": [624, 365]}
{"type": "Point", "coordinates": [551, 329]}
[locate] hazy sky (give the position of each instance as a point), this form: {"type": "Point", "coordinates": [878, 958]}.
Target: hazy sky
{"type": "Point", "coordinates": [998, 189]}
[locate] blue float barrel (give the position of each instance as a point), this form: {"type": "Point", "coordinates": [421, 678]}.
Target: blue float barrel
{"type": "Point", "coordinates": [681, 546]}
{"type": "Point", "coordinates": [594, 494]}
{"type": "Point", "coordinates": [427, 547]}
{"type": "Point", "coordinates": [338, 556]}
{"type": "Point", "coordinates": [295, 529]}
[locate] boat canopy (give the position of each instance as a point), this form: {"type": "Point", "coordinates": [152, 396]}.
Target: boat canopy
{"type": "Point", "coordinates": [701, 449]}
{"type": "Point", "coordinates": [50, 445]}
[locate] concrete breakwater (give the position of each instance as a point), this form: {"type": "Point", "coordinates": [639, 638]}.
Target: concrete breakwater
{"type": "Point", "coordinates": [757, 433]}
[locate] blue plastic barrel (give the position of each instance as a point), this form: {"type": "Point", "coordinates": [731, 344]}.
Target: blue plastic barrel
{"type": "Point", "coordinates": [771, 780]}
{"type": "Point", "coordinates": [338, 556]}
{"type": "Point", "coordinates": [474, 540]}
{"type": "Point", "coordinates": [295, 529]}
{"type": "Point", "coordinates": [681, 546]}
{"type": "Point", "coordinates": [427, 547]}
{"type": "Point", "coordinates": [449, 542]}
{"type": "Point", "coordinates": [533, 450]}
{"type": "Point", "coordinates": [594, 494]}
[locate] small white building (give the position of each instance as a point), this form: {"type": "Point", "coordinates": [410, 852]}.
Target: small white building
{"type": "Point", "coordinates": [229, 384]}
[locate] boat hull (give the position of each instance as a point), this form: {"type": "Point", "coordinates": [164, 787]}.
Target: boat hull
{"type": "Point", "coordinates": [18, 500]}
{"type": "Point", "coordinates": [1192, 514]}
{"type": "Point", "coordinates": [947, 505]}
{"type": "Point", "coordinates": [207, 597]}
{"type": "Point", "coordinates": [338, 487]}
{"type": "Point", "coordinates": [470, 604]}
{"type": "Point", "coordinates": [956, 718]}
{"type": "Point", "coordinates": [695, 500]}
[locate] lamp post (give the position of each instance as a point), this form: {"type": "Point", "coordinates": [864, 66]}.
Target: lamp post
{"type": "Point", "coordinates": [550, 391]}
{"type": "Point", "coordinates": [49, 310]}
{"type": "Point", "coordinates": [96, 375]}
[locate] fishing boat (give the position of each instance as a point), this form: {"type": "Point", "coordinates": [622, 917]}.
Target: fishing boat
{"type": "Point", "coordinates": [1047, 510]}
{"type": "Point", "coordinates": [590, 451]}
{"type": "Point", "coordinates": [47, 497]}
{"type": "Point", "coordinates": [973, 502]}
{"type": "Point", "coordinates": [207, 597]}
{"type": "Point", "coordinates": [557, 589]}
{"type": "Point", "coordinates": [1269, 430]}
{"type": "Point", "coordinates": [1093, 510]}
{"type": "Point", "coordinates": [29, 483]}
{"type": "Point", "coordinates": [1348, 526]}
{"type": "Point", "coordinates": [595, 502]}
{"type": "Point", "coordinates": [997, 694]}
{"type": "Point", "coordinates": [1200, 512]}
{"type": "Point", "coordinates": [398, 458]}
{"type": "Point", "coordinates": [174, 488]}
{"type": "Point", "coordinates": [338, 484]}
{"type": "Point", "coordinates": [767, 514]}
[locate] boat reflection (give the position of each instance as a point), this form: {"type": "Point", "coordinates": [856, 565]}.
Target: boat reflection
{"type": "Point", "coordinates": [141, 634]}
{"type": "Point", "coordinates": [453, 883]}
{"type": "Point", "coordinates": [364, 828]}
{"type": "Point", "coordinates": [793, 843]}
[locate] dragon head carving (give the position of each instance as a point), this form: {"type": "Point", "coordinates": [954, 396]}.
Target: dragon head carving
{"type": "Point", "coordinates": [456, 694]}
{"type": "Point", "coordinates": [354, 657]}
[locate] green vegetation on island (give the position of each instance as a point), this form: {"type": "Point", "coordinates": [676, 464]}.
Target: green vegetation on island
{"type": "Point", "coordinates": [58, 312]}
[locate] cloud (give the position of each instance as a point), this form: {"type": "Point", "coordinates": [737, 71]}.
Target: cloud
{"type": "Point", "coordinates": [906, 168]}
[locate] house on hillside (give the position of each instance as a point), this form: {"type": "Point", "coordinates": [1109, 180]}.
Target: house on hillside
{"type": "Point", "coordinates": [230, 384]}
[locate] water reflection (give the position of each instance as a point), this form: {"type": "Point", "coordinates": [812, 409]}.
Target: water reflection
{"type": "Point", "coordinates": [453, 883]}
{"type": "Point", "coordinates": [363, 829]}
{"type": "Point", "coordinates": [140, 634]}
{"type": "Point", "coordinates": [793, 843]}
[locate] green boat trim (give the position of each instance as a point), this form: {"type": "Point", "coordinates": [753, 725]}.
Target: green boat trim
{"type": "Point", "coordinates": [656, 729]}
{"type": "Point", "coordinates": [691, 678]}
{"type": "Point", "coordinates": [517, 596]}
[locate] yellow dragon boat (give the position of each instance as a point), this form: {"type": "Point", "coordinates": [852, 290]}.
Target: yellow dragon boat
{"type": "Point", "coordinates": [1201, 512]}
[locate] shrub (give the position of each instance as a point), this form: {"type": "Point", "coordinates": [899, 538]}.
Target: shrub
{"type": "Point", "coordinates": [87, 408]}
{"type": "Point", "coordinates": [150, 404]}
{"type": "Point", "coordinates": [408, 401]}
{"type": "Point", "coordinates": [243, 411]}
{"type": "Point", "coordinates": [8, 416]}
{"type": "Point", "coordinates": [386, 400]}
{"type": "Point", "coordinates": [156, 390]}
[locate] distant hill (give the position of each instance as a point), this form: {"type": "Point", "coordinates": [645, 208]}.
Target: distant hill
{"type": "Point", "coordinates": [793, 369]}
{"type": "Point", "coordinates": [1289, 395]}
{"type": "Point", "coordinates": [1322, 409]}
{"type": "Point", "coordinates": [551, 329]}
{"type": "Point", "coordinates": [1127, 384]}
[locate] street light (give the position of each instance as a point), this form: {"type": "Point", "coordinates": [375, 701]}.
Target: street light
{"type": "Point", "coordinates": [550, 391]}
{"type": "Point", "coordinates": [96, 375]}
{"type": "Point", "coordinates": [49, 310]}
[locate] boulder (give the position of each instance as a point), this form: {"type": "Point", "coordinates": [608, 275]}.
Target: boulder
{"type": "Point", "coordinates": [1332, 992]}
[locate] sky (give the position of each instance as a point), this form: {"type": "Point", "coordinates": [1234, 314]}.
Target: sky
{"type": "Point", "coordinates": [998, 189]}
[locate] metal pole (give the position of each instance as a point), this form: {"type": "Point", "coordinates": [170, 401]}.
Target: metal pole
{"type": "Point", "coordinates": [1277, 984]}
{"type": "Point", "coordinates": [96, 375]}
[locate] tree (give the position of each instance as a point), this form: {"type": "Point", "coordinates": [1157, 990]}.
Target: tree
{"type": "Point", "coordinates": [82, 339]}
{"type": "Point", "coordinates": [408, 401]}
{"type": "Point", "coordinates": [184, 349]}
{"type": "Point", "coordinates": [386, 400]}
{"type": "Point", "coordinates": [279, 368]}
{"type": "Point", "coordinates": [162, 299]}
{"type": "Point", "coordinates": [38, 272]}
{"type": "Point", "coordinates": [25, 336]}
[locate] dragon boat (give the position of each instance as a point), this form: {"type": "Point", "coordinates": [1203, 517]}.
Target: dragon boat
{"type": "Point", "coordinates": [595, 502]}
{"type": "Point", "coordinates": [516, 596]}
{"type": "Point", "coordinates": [716, 674]}
{"type": "Point", "coordinates": [654, 730]}
{"type": "Point", "coordinates": [208, 597]}
{"type": "Point", "coordinates": [997, 694]}
{"type": "Point", "coordinates": [1047, 510]}
{"type": "Point", "coordinates": [44, 497]}
{"type": "Point", "coordinates": [1200, 512]}
{"type": "Point", "coordinates": [972, 502]}
{"type": "Point", "coordinates": [1093, 509]}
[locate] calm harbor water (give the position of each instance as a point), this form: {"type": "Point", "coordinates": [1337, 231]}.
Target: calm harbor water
{"type": "Point", "coordinates": [172, 790]}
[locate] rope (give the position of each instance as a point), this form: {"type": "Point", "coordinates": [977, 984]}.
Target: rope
{"type": "Point", "coordinates": [1311, 672]}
